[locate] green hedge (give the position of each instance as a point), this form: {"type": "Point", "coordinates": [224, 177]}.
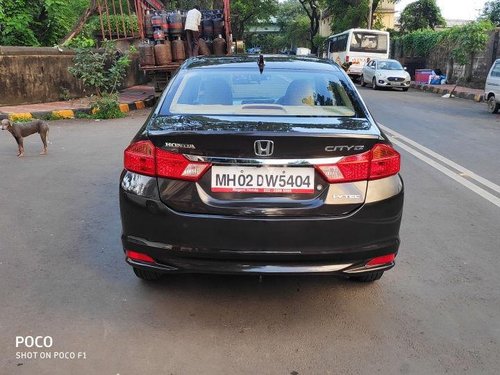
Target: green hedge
{"type": "Point", "coordinates": [460, 41]}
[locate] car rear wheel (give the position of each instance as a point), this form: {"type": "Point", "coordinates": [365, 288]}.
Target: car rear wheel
{"type": "Point", "coordinates": [362, 81]}
{"type": "Point", "coordinates": [368, 277]}
{"type": "Point", "coordinates": [146, 274]}
{"type": "Point", "coordinates": [374, 84]}
{"type": "Point", "coordinates": [493, 106]}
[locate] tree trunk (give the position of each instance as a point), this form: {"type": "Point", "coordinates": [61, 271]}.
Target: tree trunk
{"type": "Point", "coordinates": [311, 7]}
{"type": "Point", "coordinates": [449, 69]}
{"type": "Point", "coordinates": [315, 19]}
{"type": "Point", "coordinates": [91, 10]}
{"type": "Point", "coordinates": [469, 68]}
{"type": "Point", "coordinates": [311, 36]}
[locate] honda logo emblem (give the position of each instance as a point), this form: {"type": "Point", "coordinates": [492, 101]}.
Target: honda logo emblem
{"type": "Point", "coordinates": [263, 148]}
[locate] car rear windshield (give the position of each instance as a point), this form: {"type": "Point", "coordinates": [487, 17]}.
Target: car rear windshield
{"type": "Point", "coordinates": [275, 92]}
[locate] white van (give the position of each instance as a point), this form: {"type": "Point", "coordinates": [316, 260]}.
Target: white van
{"type": "Point", "coordinates": [492, 88]}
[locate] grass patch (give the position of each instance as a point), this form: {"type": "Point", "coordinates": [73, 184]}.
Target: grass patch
{"type": "Point", "coordinates": [83, 115]}
{"type": "Point", "coordinates": [55, 116]}
{"type": "Point", "coordinates": [106, 107]}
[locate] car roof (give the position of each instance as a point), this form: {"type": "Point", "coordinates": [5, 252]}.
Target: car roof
{"type": "Point", "coordinates": [270, 61]}
{"type": "Point", "coordinates": [385, 60]}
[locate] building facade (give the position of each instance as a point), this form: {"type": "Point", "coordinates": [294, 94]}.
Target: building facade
{"type": "Point", "coordinates": [386, 14]}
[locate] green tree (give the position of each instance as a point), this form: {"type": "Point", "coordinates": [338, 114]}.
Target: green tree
{"type": "Point", "coordinates": [348, 14]}
{"type": "Point", "coordinates": [421, 14]}
{"type": "Point", "coordinates": [313, 9]}
{"type": "Point", "coordinates": [102, 71]}
{"type": "Point", "coordinates": [244, 13]}
{"type": "Point", "coordinates": [269, 43]}
{"type": "Point", "coordinates": [465, 42]}
{"type": "Point", "coordinates": [420, 43]}
{"type": "Point", "coordinates": [37, 23]}
{"type": "Point", "coordinates": [294, 29]}
{"type": "Point", "coordinates": [294, 24]}
{"type": "Point", "coordinates": [491, 11]}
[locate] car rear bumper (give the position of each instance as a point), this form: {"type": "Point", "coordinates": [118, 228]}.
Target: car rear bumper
{"type": "Point", "coordinates": [180, 242]}
{"type": "Point", "coordinates": [193, 265]}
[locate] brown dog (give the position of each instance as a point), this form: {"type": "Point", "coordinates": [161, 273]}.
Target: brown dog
{"type": "Point", "coordinates": [21, 130]}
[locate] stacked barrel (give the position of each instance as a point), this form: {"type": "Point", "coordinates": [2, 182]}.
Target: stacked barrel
{"type": "Point", "coordinates": [165, 38]}
{"type": "Point", "coordinates": [212, 31]}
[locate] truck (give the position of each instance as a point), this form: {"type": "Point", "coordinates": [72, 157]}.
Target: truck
{"type": "Point", "coordinates": [161, 74]}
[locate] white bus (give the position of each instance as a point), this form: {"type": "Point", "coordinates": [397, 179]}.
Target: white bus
{"type": "Point", "coordinates": [356, 46]}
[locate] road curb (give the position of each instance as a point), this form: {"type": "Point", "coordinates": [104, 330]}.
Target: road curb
{"type": "Point", "coordinates": [443, 91]}
{"type": "Point", "coordinates": [73, 113]}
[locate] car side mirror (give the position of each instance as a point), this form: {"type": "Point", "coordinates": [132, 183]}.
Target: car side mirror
{"type": "Point", "coordinates": [405, 68]}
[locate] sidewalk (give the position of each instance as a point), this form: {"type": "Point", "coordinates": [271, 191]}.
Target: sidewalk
{"type": "Point", "coordinates": [460, 91]}
{"type": "Point", "coordinates": [135, 97]}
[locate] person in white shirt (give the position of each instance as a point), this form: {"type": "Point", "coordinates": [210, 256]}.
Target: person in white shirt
{"type": "Point", "coordinates": [192, 27]}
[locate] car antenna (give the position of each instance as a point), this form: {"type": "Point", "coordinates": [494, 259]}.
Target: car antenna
{"type": "Point", "coordinates": [261, 64]}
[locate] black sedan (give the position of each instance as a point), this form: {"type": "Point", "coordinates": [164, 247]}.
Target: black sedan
{"type": "Point", "coordinates": [267, 168]}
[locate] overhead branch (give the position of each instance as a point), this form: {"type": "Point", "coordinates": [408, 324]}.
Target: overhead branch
{"type": "Point", "coordinates": [90, 11]}
{"type": "Point", "coordinates": [303, 3]}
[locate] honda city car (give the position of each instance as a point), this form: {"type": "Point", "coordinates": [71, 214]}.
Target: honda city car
{"type": "Point", "coordinates": [261, 166]}
{"type": "Point", "coordinates": [385, 73]}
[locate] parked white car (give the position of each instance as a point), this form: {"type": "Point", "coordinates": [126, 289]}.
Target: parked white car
{"type": "Point", "coordinates": [385, 73]}
{"type": "Point", "coordinates": [492, 88]}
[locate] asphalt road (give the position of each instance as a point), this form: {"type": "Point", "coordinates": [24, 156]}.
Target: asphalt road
{"type": "Point", "coordinates": [62, 272]}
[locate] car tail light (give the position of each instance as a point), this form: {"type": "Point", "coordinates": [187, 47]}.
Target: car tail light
{"type": "Point", "coordinates": [139, 157]}
{"type": "Point", "coordinates": [385, 161]}
{"type": "Point", "coordinates": [144, 158]}
{"type": "Point", "coordinates": [176, 166]}
{"type": "Point", "coordinates": [381, 161]}
{"type": "Point", "coordinates": [134, 255]}
{"type": "Point", "coordinates": [379, 261]}
{"type": "Point", "coordinates": [347, 58]}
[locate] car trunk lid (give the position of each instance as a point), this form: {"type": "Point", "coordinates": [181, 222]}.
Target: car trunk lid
{"type": "Point", "coordinates": [263, 168]}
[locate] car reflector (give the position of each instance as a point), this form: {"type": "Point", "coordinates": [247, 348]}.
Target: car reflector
{"type": "Point", "coordinates": [379, 261]}
{"type": "Point", "coordinates": [194, 170]}
{"type": "Point", "coordinates": [134, 255]}
{"type": "Point", "coordinates": [331, 172]}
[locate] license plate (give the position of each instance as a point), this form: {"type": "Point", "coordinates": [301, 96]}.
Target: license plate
{"type": "Point", "coordinates": [262, 180]}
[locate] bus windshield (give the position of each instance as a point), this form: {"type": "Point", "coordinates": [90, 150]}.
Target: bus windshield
{"type": "Point", "coordinates": [368, 42]}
